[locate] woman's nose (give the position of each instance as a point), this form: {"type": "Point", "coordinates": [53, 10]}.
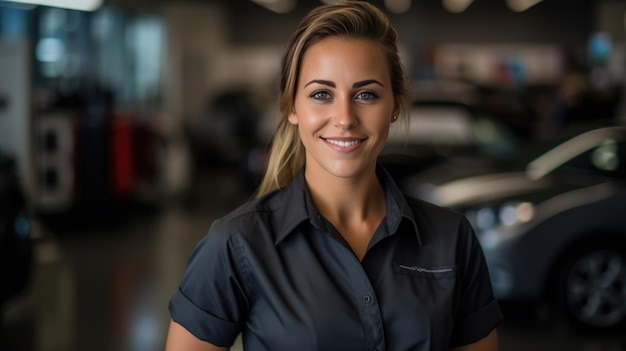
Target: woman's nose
{"type": "Point", "coordinates": [344, 115]}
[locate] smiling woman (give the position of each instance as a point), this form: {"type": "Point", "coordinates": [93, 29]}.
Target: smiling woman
{"type": "Point", "coordinates": [343, 108]}
{"type": "Point", "coordinates": [331, 255]}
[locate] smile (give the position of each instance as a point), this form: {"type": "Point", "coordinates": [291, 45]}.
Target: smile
{"type": "Point", "coordinates": [344, 143]}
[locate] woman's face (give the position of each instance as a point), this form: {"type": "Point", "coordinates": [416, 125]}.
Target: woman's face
{"type": "Point", "coordinates": [343, 106]}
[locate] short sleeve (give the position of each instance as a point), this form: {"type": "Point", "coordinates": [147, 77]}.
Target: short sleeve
{"type": "Point", "coordinates": [211, 300]}
{"type": "Point", "coordinates": [478, 312]}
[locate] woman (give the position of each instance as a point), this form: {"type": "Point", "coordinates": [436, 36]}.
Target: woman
{"type": "Point", "coordinates": [331, 256]}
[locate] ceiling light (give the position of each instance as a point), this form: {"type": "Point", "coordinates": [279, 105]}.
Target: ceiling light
{"type": "Point", "coordinates": [521, 5]}
{"type": "Point", "coordinates": [82, 5]}
{"type": "Point", "coordinates": [398, 6]}
{"type": "Point", "coordinates": [456, 6]}
{"type": "Point", "coordinates": [278, 6]}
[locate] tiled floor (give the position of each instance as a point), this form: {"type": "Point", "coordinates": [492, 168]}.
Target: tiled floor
{"type": "Point", "coordinates": [107, 290]}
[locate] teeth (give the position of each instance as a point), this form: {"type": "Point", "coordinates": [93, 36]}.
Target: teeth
{"type": "Point", "coordinates": [343, 143]}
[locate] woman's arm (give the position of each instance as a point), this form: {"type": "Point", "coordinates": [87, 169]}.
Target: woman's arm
{"type": "Point", "coordinates": [488, 343]}
{"type": "Point", "coordinates": [180, 339]}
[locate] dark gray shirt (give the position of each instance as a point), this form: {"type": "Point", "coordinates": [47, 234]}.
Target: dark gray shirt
{"type": "Point", "coordinates": [277, 271]}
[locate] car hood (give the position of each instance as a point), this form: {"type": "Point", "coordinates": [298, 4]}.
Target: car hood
{"type": "Point", "coordinates": [482, 188]}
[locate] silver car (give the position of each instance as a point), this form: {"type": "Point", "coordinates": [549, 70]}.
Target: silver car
{"type": "Point", "coordinates": [555, 230]}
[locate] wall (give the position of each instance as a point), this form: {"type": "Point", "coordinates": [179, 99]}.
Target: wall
{"type": "Point", "coordinates": [195, 36]}
{"type": "Point", "coordinates": [427, 22]}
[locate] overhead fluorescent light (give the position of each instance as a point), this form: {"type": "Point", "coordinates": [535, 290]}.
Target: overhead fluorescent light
{"type": "Point", "coordinates": [81, 5]}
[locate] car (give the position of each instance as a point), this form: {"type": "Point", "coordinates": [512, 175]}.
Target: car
{"type": "Point", "coordinates": [555, 230]}
{"type": "Point", "coordinates": [442, 131]}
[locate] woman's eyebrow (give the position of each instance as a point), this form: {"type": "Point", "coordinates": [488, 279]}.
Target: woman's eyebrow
{"type": "Point", "coordinates": [366, 82]}
{"type": "Point", "coordinates": [321, 81]}
{"type": "Point", "coordinates": [355, 85]}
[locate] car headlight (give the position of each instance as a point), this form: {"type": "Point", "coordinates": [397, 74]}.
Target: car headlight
{"type": "Point", "coordinates": [486, 218]}
{"type": "Point", "coordinates": [516, 212]}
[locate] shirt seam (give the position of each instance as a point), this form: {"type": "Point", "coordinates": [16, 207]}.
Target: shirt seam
{"type": "Point", "coordinates": [241, 263]}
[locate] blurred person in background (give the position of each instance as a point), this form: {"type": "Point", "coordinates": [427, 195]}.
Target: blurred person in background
{"type": "Point", "coordinates": [331, 255]}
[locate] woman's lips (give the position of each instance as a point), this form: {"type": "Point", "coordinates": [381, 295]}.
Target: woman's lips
{"type": "Point", "coordinates": [344, 144]}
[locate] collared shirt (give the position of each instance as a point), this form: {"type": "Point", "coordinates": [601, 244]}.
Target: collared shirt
{"type": "Point", "coordinates": [277, 271]}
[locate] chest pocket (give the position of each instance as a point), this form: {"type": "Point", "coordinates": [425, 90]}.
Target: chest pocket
{"type": "Point", "coordinates": [441, 272]}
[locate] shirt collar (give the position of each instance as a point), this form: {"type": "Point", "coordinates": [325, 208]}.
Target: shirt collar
{"type": "Point", "coordinates": [397, 206]}
{"type": "Point", "coordinates": [296, 206]}
{"type": "Point", "coordinates": [293, 207]}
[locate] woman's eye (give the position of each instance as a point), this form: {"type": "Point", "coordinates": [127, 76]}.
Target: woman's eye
{"type": "Point", "coordinates": [320, 95]}
{"type": "Point", "coordinates": [366, 95]}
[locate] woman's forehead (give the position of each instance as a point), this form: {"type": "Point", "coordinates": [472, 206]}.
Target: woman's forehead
{"type": "Point", "coordinates": [340, 56]}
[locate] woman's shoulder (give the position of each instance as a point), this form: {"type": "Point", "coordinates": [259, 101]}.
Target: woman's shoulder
{"type": "Point", "coordinates": [439, 223]}
{"type": "Point", "coordinates": [266, 203]}
{"type": "Point", "coordinates": [253, 217]}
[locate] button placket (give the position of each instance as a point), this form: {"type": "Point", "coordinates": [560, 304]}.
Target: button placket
{"type": "Point", "coordinates": [368, 306]}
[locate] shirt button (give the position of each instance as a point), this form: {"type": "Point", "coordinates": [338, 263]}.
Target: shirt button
{"type": "Point", "coordinates": [367, 299]}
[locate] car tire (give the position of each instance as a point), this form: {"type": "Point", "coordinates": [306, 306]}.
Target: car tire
{"type": "Point", "coordinates": [591, 290]}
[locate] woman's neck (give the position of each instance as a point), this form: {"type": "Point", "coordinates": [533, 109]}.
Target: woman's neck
{"type": "Point", "coordinates": [354, 206]}
{"type": "Point", "coordinates": [345, 198]}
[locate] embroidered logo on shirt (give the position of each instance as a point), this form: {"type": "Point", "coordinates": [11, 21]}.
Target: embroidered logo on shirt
{"type": "Point", "coordinates": [422, 269]}
{"type": "Point", "coordinates": [428, 272]}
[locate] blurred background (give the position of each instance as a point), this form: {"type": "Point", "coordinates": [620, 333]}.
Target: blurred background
{"type": "Point", "coordinates": [128, 126]}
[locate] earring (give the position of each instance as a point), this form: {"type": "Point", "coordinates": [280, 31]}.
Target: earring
{"type": "Point", "coordinates": [394, 117]}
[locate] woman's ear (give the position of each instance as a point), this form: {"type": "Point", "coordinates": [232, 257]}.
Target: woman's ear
{"type": "Point", "coordinates": [293, 118]}
{"type": "Point", "coordinates": [396, 111]}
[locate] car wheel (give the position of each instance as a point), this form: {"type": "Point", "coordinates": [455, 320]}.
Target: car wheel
{"type": "Point", "coordinates": [592, 288]}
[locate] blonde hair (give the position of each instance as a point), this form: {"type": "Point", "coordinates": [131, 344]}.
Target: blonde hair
{"type": "Point", "coordinates": [355, 19]}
